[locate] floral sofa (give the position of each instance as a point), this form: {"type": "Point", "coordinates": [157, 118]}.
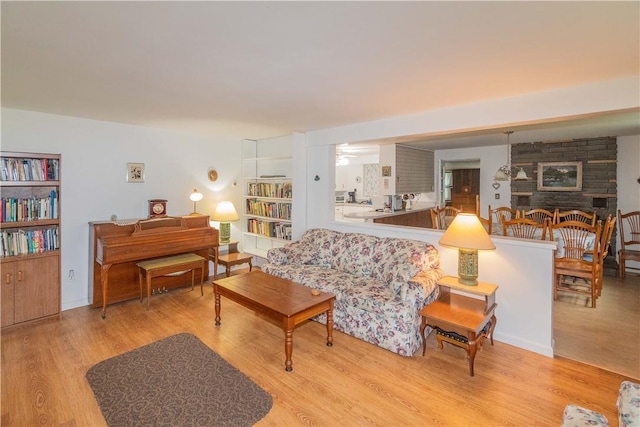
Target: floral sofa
{"type": "Point", "coordinates": [380, 283]}
{"type": "Point", "coordinates": [628, 410]}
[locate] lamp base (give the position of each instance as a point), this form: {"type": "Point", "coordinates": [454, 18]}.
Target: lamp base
{"type": "Point", "coordinates": [468, 267]}
{"type": "Point", "coordinates": [225, 232]}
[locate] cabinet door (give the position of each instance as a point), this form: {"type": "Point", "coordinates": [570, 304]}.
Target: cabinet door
{"type": "Point", "coordinates": [37, 292]}
{"type": "Point", "coordinates": [341, 178]}
{"type": "Point", "coordinates": [7, 294]}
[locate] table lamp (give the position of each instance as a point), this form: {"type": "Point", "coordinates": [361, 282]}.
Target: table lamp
{"type": "Point", "coordinates": [224, 213]}
{"type": "Point", "coordinates": [195, 198]}
{"type": "Point", "coordinates": [468, 235]}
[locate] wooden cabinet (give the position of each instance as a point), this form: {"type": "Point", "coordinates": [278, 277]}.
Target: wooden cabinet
{"type": "Point", "coordinates": [30, 289]}
{"type": "Point", "coordinates": [421, 218]}
{"type": "Point", "coordinates": [464, 201]}
{"type": "Point", "coordinates": [30, 236]}
{"type": "Point", "coordinates": [267, 194]}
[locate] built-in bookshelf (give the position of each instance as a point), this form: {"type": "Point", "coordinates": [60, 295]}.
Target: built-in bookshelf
{"type": "Point", "coordinates": [267, 194]}
{"type": "Point", "coordinates": [29, 236]}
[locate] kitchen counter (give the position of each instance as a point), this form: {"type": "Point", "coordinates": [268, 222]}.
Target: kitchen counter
{"type": "Point", "coordinates": [373, 215]}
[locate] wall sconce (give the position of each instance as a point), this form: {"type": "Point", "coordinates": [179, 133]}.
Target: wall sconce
{"type": "Point", "coordinates": [195, 198]}
{"type": "Point", "coordinates": [225, 212]}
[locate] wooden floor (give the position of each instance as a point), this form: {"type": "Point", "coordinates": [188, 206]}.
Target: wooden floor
{"type": "Point", "coordinates": [351, 383]}
{"type": "Point", "coordinates": [607, 336]}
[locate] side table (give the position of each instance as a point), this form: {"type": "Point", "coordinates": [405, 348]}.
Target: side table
{"type": "Point", "coordinates": [231, 258]}
{"type": "Point", "coordinates": [460, 317]}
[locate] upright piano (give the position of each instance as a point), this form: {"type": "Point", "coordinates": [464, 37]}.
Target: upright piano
{"type": "Point", "coordinates": [116, 247]}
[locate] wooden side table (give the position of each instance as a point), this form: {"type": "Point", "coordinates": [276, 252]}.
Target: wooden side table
{"type": "Point", "coordinates": [233, 257]}
{"type": "Point", "coordinates": [459, 319]}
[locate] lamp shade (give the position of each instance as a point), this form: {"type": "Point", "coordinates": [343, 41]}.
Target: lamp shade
{"type": "Point", "coordinates": [225, 211]}
{"type": "Point", "coordinates": [195, 196]}
{"type": "Point", "coordinates": [466, 232]}
{"type": "Point", "coordinates": [521, 176]}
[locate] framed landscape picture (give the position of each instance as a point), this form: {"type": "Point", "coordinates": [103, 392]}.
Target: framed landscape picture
{"type": "Point", "coordinates": [560, 176]}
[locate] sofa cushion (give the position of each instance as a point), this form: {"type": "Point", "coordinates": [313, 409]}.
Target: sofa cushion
{"type": "Point", "coordinates": [299, 253]}
{"type": "Point", "coordinates": [322, 241]}
{"type": "Point", "coordinates": [395, 261]}
{"type": "Point", "coordinates": [353, 252]}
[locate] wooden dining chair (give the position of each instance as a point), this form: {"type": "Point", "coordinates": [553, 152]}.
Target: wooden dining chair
{"type": "Point", "coordinates": [605, 243]}
{"type": "Point", "coordinates": [496, 215]}
{"type": "Point", "coordinates": [577, 215]}
{"type": "Point", "coordinates": [442, 217]}
{"type": "Point", "coordinates": [575, 239]}
{"type": "Point", "coordinates": [629, 225]}
{"type": "Point", "coordinates": [524, 228]}
{"type": "Point", "coordinates": [540, 215]}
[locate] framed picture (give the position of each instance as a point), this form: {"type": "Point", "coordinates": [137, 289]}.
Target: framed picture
{"type": "Point", "coordinates": [135, 172]}
{"type": "Point", "coordinates": [386, 170]}
{"type": "Point", "coordinates": [560, 176]}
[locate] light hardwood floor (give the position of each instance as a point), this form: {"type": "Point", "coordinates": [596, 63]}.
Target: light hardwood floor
{"type": "Point", "coordinates": [607, 336]}
{"type": "Point", "coordinates": [351, 383]}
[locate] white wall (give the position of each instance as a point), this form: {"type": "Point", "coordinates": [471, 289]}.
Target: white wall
{"type": "Point", "coordinates": [523, 272]}
{"type": "Point", "coordinates": [94, 158]}
{"type": "Point", "coordinates": [627, 179]}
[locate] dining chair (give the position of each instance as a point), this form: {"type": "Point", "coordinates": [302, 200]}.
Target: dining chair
{"type": "Point", "coordinates": [496, 215]}
{"type": "Point", "coordinates": [577, 215]}
{"type": "Point", "coordinates": [629, 225]}
{"type": "Point", "coordinates": [540, 215]}
{"type": "Point", "coordinates": [605, 243]}
{"type": "Point", "coordinates": [524, 228]}
{"type": "Point", "coordinates": [442, 217]}
{"type": "Point", "coordinates": [575, 239]}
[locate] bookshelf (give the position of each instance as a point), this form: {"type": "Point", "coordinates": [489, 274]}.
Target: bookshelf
{"type": "Point", "coordinates": [267, 194]}
{"type": "Point", "coordinates": [29, 236]}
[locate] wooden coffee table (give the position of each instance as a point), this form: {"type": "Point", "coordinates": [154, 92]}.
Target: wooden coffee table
{"type": "Point", "coordinates": [284, 301]}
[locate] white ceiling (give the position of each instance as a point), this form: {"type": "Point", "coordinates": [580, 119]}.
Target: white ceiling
{"type": "Point", "coordinates": [260, 69]}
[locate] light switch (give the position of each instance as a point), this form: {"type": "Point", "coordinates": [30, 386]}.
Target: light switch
{"type": "Point", "coordinates": [497, 196]}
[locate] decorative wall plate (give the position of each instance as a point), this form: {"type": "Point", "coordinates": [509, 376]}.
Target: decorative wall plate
{"type": "Point", "coordinates": [213, 175]}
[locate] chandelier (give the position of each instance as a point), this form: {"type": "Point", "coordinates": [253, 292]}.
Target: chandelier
{"type": "Point", "coordinates": [504, 172]}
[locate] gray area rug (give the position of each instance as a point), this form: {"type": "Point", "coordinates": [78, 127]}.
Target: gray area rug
{"type": "Point", "coordinates": [177, 381]}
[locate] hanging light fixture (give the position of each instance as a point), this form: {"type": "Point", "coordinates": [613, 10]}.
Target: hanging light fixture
{"type": "Point", "coordinates": [504, 172]}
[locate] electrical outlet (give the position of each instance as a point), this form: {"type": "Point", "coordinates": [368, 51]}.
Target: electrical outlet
{"type": "Point", "coordinates": [497, 196]}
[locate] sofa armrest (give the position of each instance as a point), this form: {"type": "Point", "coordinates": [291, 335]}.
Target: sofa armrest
{"type": "Point", "coordinates": [422, 288]}
{"type": "Point", "coordinates": [278, 256]}
{"type": "Point", "coordinates": [629, 404]}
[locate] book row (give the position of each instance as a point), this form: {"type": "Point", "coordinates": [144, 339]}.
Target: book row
{"type": "Point", "coordinates": [278, 230]}
{"type": "Point", "coordinates": [275, 189]}
{"type": "Point", "coordinates": [14, 209]}
{"type": "Point", "coordinates": [21, 242]}
{"type": "Point", "coordinates": [13, 169]}
{"type": "Point", "coordinates": [277, 210]}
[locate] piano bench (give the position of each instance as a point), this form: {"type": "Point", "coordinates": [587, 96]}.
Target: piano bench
{"type": "Point", "coordinates": [172, 265]}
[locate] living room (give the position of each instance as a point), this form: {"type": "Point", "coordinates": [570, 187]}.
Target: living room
{"type": "Point", "coordinates": [95, 154]}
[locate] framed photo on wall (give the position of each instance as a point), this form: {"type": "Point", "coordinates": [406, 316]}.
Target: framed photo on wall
{"type": "Point", "coordinates": [560, 176]}
{"type": "Point", "coordinates": [135, 172]}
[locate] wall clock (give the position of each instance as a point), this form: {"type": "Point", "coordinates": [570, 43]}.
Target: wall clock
{"type": "Point", "coordinates": [157, 207]}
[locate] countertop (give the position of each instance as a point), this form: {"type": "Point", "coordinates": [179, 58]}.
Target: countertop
{"type": "Point", "coordinates": [373, 214]}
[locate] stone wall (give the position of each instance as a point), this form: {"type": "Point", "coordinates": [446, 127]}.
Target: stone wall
{"type": "Point", "coordinates": [599, 187]}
